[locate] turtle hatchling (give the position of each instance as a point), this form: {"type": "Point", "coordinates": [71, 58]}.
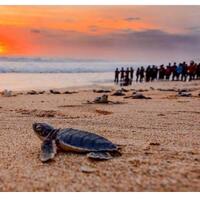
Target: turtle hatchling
{"type": "Point", "coordinates": [69, 139]}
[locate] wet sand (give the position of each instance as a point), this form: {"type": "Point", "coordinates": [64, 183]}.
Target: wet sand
{"type": "Point", "coordinates": [160, 140]}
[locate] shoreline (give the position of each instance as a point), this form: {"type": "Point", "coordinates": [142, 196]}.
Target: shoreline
{"type": "Point", "coordinates": [19, 82]}
{"type": "Point", "coordinates": [112, 86]}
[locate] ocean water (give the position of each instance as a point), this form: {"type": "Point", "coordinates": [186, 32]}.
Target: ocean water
{"type": "Point", "coordinates": [39, 73]}
{"type": "Point", "coordinates": [43, 65]}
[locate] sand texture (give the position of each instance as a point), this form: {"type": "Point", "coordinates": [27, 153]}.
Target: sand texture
{"type": "Point", "coordinates": [159, 137]}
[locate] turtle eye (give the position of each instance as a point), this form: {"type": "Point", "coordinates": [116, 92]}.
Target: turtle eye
{"type": "Point", "coordinates": [38, 128]}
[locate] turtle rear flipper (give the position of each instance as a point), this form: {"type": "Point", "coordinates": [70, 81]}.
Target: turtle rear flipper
{"type": "Point", "coordinates": [48, 150]}
{"type": "Point", "coordinates": [99, 155]}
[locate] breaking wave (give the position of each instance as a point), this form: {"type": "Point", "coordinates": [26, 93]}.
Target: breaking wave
{"type": "Point", "coordinates": [43, 65]}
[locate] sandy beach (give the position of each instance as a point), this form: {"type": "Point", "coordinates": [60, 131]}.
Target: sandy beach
{"type": "Point", "coordinates": [159, 137]}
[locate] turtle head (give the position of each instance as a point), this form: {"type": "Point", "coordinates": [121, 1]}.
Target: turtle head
{"type": "Point", "coordinates": [42, 130]}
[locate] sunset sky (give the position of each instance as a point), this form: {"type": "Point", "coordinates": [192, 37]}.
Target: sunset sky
{"type": "Point", "coordinates": [138, 33]}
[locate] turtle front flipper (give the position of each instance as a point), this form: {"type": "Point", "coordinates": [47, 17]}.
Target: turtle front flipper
{"type": "Point", "coordinates": [48, 150]}
{"type": "Point", "coordinates": [99, 155]}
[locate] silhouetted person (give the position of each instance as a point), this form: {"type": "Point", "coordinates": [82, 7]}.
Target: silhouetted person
{"type": "Point", "coordinates": [137, 74]}
{"type": "Point", "coordinates": [168, 72]}
{"type": "Point", "coordinates": [141, 74]}
{"type": "Point", "coordinates": [151, 73]}
{"type": "Point", "coordinates": [161, 72]}
{"type": "Point", "coordinates": [127, 73]}
{"type": "Point", "coordinates": [177, 72]}
{"type": "Point", "coordinates": [117, 75]}
{"type": "Point", "coordinates": [191, 70]}
{"type": "Point", "coordinates": [131, 73]}
{"type": "Point", "coordinates": [179, 69]}
{"type": "Point", "coordinates": [122, 74]}
{"type": "Point", "coordinates": [126, 79]}
{"type": "Point", "coordinates": [148, 69]}
{"type": "Point", "coordinates": [173, 68]}
{"type": "Point", "coordinates": [154, 72]}
{"type": "Point", "coordinates": [184, 72]}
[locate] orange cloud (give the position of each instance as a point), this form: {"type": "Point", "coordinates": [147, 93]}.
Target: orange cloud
{"type": "Point", "coordinates": [77, 18]}
{"type": "Point", "coordinates": [92, 31]}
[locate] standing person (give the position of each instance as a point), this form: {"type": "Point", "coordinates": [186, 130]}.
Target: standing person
{"type": "Point", "coordinates": [174, 71]}
{"type": "Point", "coordinates": [184, 72]}
{"type": "Point", "coordinates": [164, 69]}
{"type": "Point", "coordinates": [151, 73]}
{"type": "Point", "coordinates": [131, 73]}
{"type": "Point", "coordinates": [126, 81]}
{"type": "Point", "coordinates": [137, 74]}
{"type": "Point", "coordinates": [148, 73]}
{"type": "Point", "coordinates": [190, 70]}
{"type": "Point", "coordinates": [116, 75]}
{"type": "Point", "coordinates": [161, 72]}
{"type": "Point", "coordinates": [154, 72]}
{"type": "Point", "coordinates": [126, 78]}
{"type": "Point", "coordinates": [168, 71]}
{"type": "Point", "coordinates": [127, 72]}
{"type": "Point", "coordinates": [141, 73]}
{"type": "Point", "coordinates": [179, 70]}
{"type": "Point", "coordinates": [122, 74]}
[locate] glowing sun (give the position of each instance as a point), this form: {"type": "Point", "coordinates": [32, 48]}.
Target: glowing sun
{"type": "Point", "coordinates": [2, 48]}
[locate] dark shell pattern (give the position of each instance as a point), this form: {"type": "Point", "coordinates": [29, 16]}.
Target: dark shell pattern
{"type": "Point", "coordinates": [84, 140]}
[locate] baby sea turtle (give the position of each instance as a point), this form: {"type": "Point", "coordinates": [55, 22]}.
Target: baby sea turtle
{"type": "Point", "coordinates": [68, 139]}
{"type": "Point", "coordinates": [101, 99]}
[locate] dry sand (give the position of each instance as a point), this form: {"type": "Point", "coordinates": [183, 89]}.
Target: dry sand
{"type": "Point", "coordinates": [160, 141]}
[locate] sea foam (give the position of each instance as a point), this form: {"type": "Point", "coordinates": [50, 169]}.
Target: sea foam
{"type": "Point", "coordinates": [43, 65]}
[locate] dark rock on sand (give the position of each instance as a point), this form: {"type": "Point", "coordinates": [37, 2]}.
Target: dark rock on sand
{"type": "Point", "coordinates": [68, 92]}
{"type": "Point", "coordinates": [154, 143]}
{"type": "Point", "coordinates": [32, 92]}
{"type": "Point", "coordinates": [139, 96]}
{"type": "Point", "coordinates": [118, 93]}
{"type": "Point", "coordinates": [102, 91]}
{"type": "Point", "coordinates": [54, 92]}
{"type": "Point", "coordinates": [41, 92]}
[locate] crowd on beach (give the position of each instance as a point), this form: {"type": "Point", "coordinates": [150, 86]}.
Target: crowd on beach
{"type": "Point", "coordinates": [178, 72]}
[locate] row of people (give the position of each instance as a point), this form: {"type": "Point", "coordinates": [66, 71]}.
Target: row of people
{"type": "Point", "coordinates": [182, 71]}
{"type": "Point", "coordinates": [124, 76]}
